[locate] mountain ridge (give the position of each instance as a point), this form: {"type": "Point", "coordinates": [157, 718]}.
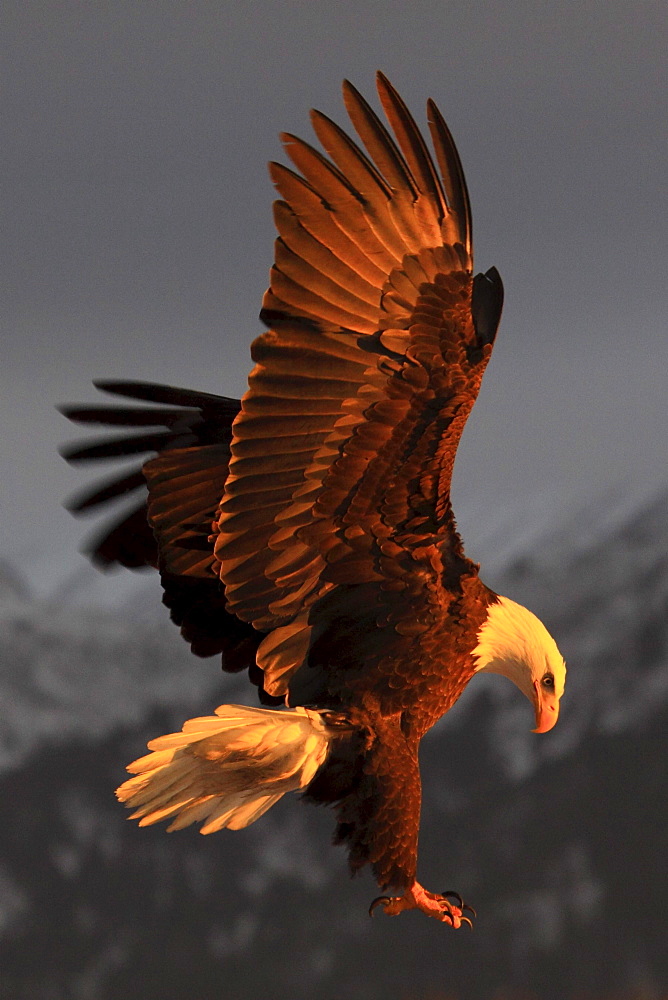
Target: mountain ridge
{"type": "Point", "coordinates": [544, 834]}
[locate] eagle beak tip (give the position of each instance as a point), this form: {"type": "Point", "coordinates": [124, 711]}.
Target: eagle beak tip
{"type": "Point", "coordinates": [546, 719]}
{"type": "Point", "coordinates": [547, 711]}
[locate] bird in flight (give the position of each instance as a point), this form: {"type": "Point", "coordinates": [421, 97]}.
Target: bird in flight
{"type": "Point", "coordinates": [305, 533]}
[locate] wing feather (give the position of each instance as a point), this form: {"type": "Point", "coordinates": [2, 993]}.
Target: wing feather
{"type": "Point", "coordinates": [414, 148]}
{"type": "Point", "coordinates": [338, 471]}
{"type": "Point", "coordinates": [184, 419]}
{"type": "Point", "coordinates": [342, 451]}
{"type": "Point", "coordinates": [379, 242]}
{"type": "Point", "coordinates": [307, 204]}
{"type": "Point", "coordinates": [321, 257]}
{"type": "Point", "coordinates": [452, 173]}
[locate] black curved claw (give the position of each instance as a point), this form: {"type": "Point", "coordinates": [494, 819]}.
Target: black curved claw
{"type": "Point", "coordinates": [455, 895]}
{"type": "Point", "coordinates": [377, 902]}
{"type": "Point", "coordinates": [465, 906]}
{"type": "Point", "coordinates": [465, 920]}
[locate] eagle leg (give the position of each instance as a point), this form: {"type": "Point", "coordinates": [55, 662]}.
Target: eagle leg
{"type": "Point", "coordinates": [433, 904]}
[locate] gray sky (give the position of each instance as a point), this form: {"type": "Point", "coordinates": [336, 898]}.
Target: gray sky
{"type": "Point", "coordinates": [138, 231]}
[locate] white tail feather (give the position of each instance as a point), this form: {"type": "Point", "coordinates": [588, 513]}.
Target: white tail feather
{"type": "Point", "coordinates": [226, 769]}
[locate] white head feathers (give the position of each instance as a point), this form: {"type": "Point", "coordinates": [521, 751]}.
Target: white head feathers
{"type": "Point", "coordinates": [513, 642]}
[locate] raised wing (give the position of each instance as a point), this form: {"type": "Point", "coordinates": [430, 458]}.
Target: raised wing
{"type": "Point", "coordinates": [343, 450]}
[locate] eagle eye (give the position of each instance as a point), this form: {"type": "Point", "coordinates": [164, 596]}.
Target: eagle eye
{"type": "Point", "coordinates": [548, 681]}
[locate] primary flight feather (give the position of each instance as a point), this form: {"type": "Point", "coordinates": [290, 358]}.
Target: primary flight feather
{"type": "Point", "coordinates": [306, 532]}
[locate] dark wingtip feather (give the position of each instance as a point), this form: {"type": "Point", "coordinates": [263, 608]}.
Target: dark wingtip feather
{"type": "Point", "coordinates": [114, 448]}
{"type": "Point", "coordinates": [378, 142]}
{"type": "Point", "coordinates": [101, 493]}
{"type": "Point", "coordinates": [452, 173]}
{"type": "Point", "coordinates": [129, 542]}
{"type": "Point", "coordinates": [155, 392]}
{"type": "Point", "coordinates": [487, 304]}
{"type": "Point", "coordinates": [411, 142]}
{"type": "Point", "coordinates": [122, 416]}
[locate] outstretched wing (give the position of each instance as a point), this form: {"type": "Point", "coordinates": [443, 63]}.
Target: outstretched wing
{"type": "Point", "coordinates": [343, 450]}
{"type": "Point", "coordinates": [196, 425]}
{"type": "Point", "coordinates": [182, 443]}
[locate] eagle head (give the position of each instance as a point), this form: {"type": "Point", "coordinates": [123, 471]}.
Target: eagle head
{"type": "Point", "coordinates": [513, 642]}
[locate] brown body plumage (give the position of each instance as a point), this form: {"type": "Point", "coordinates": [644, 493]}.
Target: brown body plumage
{"type": "Point", "coordinates": [306, 532]}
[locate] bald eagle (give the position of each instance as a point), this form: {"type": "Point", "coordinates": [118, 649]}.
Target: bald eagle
{"type": "Point", "coordinates": [305, 533]}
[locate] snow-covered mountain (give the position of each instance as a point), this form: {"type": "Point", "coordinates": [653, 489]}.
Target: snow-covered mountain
{"type": "Point", "coordinates": [559, 840]}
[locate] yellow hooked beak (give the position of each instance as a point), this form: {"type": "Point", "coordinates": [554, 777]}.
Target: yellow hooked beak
{"type": "Point", "coordinates": [547, 709]}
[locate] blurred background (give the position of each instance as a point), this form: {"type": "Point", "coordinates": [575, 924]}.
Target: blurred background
{"type": "Point", "coordinates": [138, 235]}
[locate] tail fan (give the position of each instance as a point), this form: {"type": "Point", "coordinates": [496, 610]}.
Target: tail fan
{"type": "Point", "coordinates": [226, 769]}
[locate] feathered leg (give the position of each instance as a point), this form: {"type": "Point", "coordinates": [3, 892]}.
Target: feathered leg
{"type": "Point", "coordinates": [379, 821]}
